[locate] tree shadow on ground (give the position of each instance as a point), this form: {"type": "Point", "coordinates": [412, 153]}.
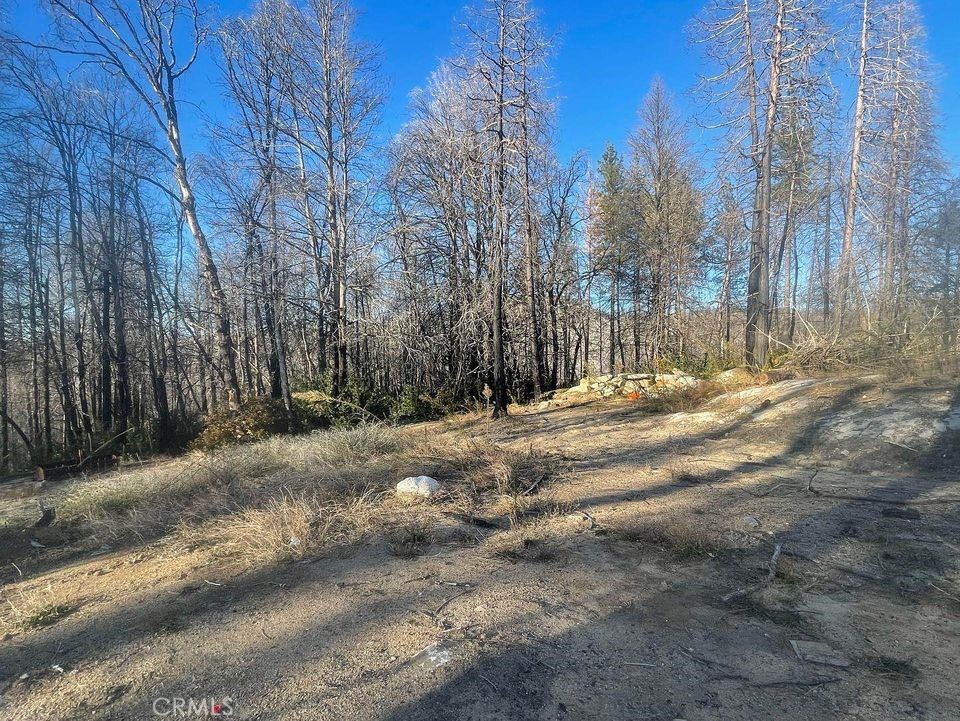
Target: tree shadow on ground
{"type": "Point", "coordinates": [586, 673]}
{"type": "Point", "coordinates": [581, 672]}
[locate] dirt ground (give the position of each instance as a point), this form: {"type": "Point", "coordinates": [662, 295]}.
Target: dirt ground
{"type": "Point", "coordinates": [641, 586]}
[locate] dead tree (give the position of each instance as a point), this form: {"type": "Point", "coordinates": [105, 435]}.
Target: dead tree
{"type": "Point", "coordinates": [141, 47]}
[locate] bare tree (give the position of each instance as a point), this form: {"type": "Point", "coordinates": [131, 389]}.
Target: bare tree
{"type": "Point", "coordinates": [145, 47]}
{"type": "Point", "coordinates": [853, 181]}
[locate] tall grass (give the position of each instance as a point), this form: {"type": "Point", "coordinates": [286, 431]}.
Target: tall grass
{"type": "Point", "coordinates": [285, 497]}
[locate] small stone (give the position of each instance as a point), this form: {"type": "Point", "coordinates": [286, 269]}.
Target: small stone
{"type": "Point", "coordinates": [423, 486]}
{"type": "Point", "coordinates": [751, 522]}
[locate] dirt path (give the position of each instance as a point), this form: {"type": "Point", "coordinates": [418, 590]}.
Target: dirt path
{"type": "Point", "coordinates": [605, 603]}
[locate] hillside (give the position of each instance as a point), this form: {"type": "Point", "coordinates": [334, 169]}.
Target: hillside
{"type": "Point", "coordinates": [588, 558]}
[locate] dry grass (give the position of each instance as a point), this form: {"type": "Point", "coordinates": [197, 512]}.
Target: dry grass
{"type": "Point", "coordinates": [34, 608]}
{"type": "Point", "coordinates": [286, 497]}
{"type": "Point", "coordinates": [47, 615]}
{"type": "Point", "coordinates": [892, 669]}
{"type": "Point", "coordinates": [523, 544]}
{"type": "Point", "coordinates": [681, 537]}
{"type": "Point", "coordinates": [693, 473]}
{"type": "Point", "coordinates": [526, 510]}
{"type": "Point", "coordinates": [287, 528]}
{"type": "Point", "coordinates": [788, 571]}
{"type": "Point", "coordinates": [682, 399]}
{"type": "Point", "coordinates": [409, 540]}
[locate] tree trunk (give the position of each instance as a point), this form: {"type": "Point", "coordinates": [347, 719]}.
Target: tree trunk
{"type": "Point", "coordinates": [850, 212]}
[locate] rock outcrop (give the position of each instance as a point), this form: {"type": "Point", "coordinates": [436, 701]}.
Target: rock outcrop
{"type": "Point", "coordinates": [630, 385]}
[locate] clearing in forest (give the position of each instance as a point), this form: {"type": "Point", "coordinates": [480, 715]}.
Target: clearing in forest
{"type": "Point", "coordinates": [782, 551]}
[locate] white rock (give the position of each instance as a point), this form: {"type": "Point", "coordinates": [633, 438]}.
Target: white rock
{"type": "Point", "coordinates": [424, 486]}
{"type": "Point", "coordinates": [433, 656]}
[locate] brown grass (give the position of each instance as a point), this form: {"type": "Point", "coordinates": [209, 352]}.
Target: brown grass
{"type": "Point", "coordinates": [409, 540]}
{"type": "Point", "coordinates": [286, 497]}
{"type": "Point", "coordinates": [524, 510]}
{"type": "Point", "coordinates": [34, 608]}
{"type": "Point", "coordinates": [682, 399]}
{"type": "Point", "coordinates": [681, 537]}
{"type": "Point", "coordinates": [523, 544]}
{"type": "Point", "coordinates": [788, 571]}
{"type": "Point", "coordinates": [692, 472]}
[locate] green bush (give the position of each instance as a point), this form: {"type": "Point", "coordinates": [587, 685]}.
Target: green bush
{"type": "Point", "coordinates": [255, 420]}
{"type": "Point", "coordinates": [356, 403]}
{"type": "Point", "coordinates": [414, 405]}
{"type": "Point", "coordinates": [704, 365]}
{"type": "Point", "coordinates": [262, 417]}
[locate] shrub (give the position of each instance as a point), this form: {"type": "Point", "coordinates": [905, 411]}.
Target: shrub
{"type": "Point", "coordinates": [414, 405]}
{"type": "Point", "coordinates": [255, 420]}
{"type": "Point", "coordinates": [356, 403]}
{"type": "Point", "coordinates": [705, 365]}
{"type": "Point", "coordinates": [681, 399]}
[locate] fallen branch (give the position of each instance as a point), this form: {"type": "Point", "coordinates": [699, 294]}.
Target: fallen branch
{"type": "Point", "coordinates": [773, 684]}
{"type": "Point", "coordinates": [810, 683]}
{"type": "Point", "coordinates": [701, 659]}
{"type": "Point", "coordinates": [331, 399]}
{"type": "Point", "coordinates": [452, 598]}
{"type": "Point", "coordinates": [533, 487]}
{"type": "Point", "coordinates": [900, 445]}
{"type": "Point", "coordinates": [93, 454]}
{"type": "Point", "coordinates": [588, 517]}
{"type": "Point", "coordinates": [762, 494]}
{"type": "Point", "coordinates": [771, 573]}
{"type": "Point", "coordinates": [945, 593]}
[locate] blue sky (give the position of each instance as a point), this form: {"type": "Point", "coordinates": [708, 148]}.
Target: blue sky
{"type": "Point", "coordinates": [606, 55]}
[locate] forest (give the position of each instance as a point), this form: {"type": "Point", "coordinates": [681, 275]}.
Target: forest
{"type": "Point", "coordinates": [462, 261]}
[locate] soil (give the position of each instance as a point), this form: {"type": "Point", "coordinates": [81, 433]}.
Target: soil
{"type": "Point", "coordinates": [646, 589]}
